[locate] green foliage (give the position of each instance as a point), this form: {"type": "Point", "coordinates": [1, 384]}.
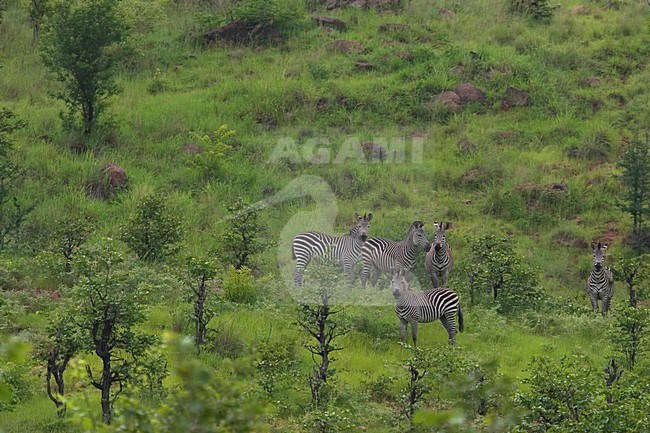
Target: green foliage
{"type": "Point", "coordinates": [70, 234]}
{"type": "Point", "coordinates": [154, 232]}
{"type": "Point", "coordinates": [559, 392]}
{"type": "Point", "coordinates": [108, 303]}
{"type": "Point", "coordinates": [12, 213]}
{"type": "Point", "coordinates": [275, 364]}
{"type": "Point", "coordinates": [570, 396]}
{"type": "Point", "coordinates": [36, 12]}
{"type": "Point", "coordinates": [635, 177]}
{"type": "Point", "coordinates": [634, 271]}
{"type": "Point", "coordinates": [629, 334]}
{"type": "Point", "coordinates": [200, 272]}
{"type": "Point", "coordinates": [239, 286]}
{"type": "Point", "coordinates": [244, 235]}
{"type": "Point", "coordinates": [203, 401]}
{"type": "Point", "coordinates": [497, 270]}
{"type": "Point", "coordinates": [215, 150]}
{"type": "Point", "coordinates": [80, 47]}
{"type": "Point", "coordinates": [12, 386]}
{"type": "Point", "coordinates": [283, 16]}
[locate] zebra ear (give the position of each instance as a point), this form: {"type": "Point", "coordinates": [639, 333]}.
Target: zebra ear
{"type": "Point", "coordinates": [604, 247]}
{"type": "Point", "coordinates": [599, 245]}
{"type": "Point", "coordinates": [357, 216]}
{"type": "Point", "coordinates": [369, 217]}
{"type": "Point", "coordinates": [447, 225]}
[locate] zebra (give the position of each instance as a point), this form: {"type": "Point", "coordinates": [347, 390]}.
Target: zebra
{"type": "Point", "coordinates": [344, 250]}
{"type": "Point", "coordinates": [383, 255]}
{"type": "Point", "coordinates": [425, 306]}
{"type": "Point", "coordinates": [439, 260]}
{"type": "Point", "coordinates": [600, 284]}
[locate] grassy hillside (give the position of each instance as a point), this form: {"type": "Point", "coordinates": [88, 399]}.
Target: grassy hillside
{"type": "Point", "coordinates": [543, 174]}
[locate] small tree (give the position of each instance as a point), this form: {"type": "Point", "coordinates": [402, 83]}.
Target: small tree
{"type": "Point", "coordinates": [154, 232]}
{"type": "Point", "coordinates": [201, 401]}
{"type": "Point", "coordinates": [199, 273]}
{"type": "Point", "coordinates": [315, 317]}
{"type": "Point", "coordinates": [496, 268]}
{"type": "Point", "coordinates": [36, 11]}
{"type": "Point", "coordinates": [70, 234]}
{"type": "Point", "coordinates": [62, 344]}
{"type": "Point", "coordinates": [418, 366]}
{"type": "Point", "coordinates": [243, 237]}
{"type": "Point", "coordinates": [79, 46]}
{"type": "Point", "coordinates": [635, 177]}
{"type": "Point", "coordinates": [106, 305]}
{"type": "Point", "coordinates": [629, 334]}
{"type": "Point", "coordinates": [558, 392]}
{"type": "Point", "coordinates": [12, 213]}
{"type": "Point", "coordinates": [633, 270]}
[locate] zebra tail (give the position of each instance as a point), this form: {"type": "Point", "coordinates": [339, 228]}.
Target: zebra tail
{"type": "Point", "coordinates": [461, 323]}
{"type": "Point", "coordinates": [293, 252]}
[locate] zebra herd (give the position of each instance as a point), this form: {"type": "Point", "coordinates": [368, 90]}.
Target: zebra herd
{"type": "Point", "coordinates": [381, 255]}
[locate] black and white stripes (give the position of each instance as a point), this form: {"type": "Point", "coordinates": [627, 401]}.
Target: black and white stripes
{"type": "Point", "coordinates": [383, 255]}
{"type": "Point", "coordinates": [425, 306]}
{"type": "Point", "coordinates": [439, 260]}
{"type": "Point", "coordinates": [344, 250]}
{"type": "Point", "coordinates": [600, 284]}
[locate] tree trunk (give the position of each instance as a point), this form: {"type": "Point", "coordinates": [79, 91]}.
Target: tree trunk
{"type": "Point", "coordinates": [199, 312]}
{"type": "Point", "coordinates": [106, 390]}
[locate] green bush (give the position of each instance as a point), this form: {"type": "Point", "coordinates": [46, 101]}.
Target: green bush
{"type": "Point", "coordinates": [283, 16]}
{"type": "Point", "coordinates": [239, 286]}
{"type": "Point", "coordinates": [498, 272]}
{"type": "Point", "coordinates": [154, 232]}
{"type": "Point", "coordinates": [538, 10]}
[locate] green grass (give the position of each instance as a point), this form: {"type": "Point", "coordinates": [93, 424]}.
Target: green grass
{"type": "Point", "coordinates": [486, 169]}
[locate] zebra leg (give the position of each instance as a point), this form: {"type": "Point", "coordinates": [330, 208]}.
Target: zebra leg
{"type": "Point", "coordinates": [298, 273]}
{"type": "Point", "coordinates": [364, 275]}
{"type": "Point", "coordinates": [435, 280]}
{"type": "Point", "coordinates": [402, 329]}
{"type": "Point", "coordinates": [445, 277]}
{"type": "Point", "coordinates": [374, 276]}
{"type": "Point", "coordinates": [594, 302]}
{"type": "Point", "coordinates": [349, 271]}
{"type": "Point", "coordinates": [414, 332]}
{"type": "Point", "coordinates": [448, 322]}
{"type": "Point", "coordinates": [605, 304]}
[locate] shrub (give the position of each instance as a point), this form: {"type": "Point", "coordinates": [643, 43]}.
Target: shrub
{"type": "Point", "coordinates": [497, 270]}
{"type": "Point", "coordinates": [215, 150]}
{"type": "Point", "coordinates": [239, 286]}
{"type": "Point", "coordinates": [538, 10]}
{"type": "Point", "coordinates": [280, 15]}
{"type": "Point", "coordinates": [243, 237]}
{"type": "Point", "coordinates": [153, 233]}
{"type": "Point", "coordinates": [629, 334]}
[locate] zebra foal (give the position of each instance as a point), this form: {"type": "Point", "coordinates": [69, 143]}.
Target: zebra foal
{"type": "Point", "coordinates": [439, 260]}
{"type": "Point", "coordinates": [425, 306]}
{"type": "Point", "coordinates": [344, 250]}
{"type": "Point", "coordinates": [383, 255]}
{"type": "Point", "coordinates": [600, 284]}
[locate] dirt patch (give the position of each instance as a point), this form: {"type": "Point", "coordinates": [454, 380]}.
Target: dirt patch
{"type": "Point", "coordinates": [450, 100]}
{"type": "Point", "coordinates": [331, 23]}
{"type": "Point", "coordinates": [568, 239]}
{"type": "Point", "coordinates": [469, 93]}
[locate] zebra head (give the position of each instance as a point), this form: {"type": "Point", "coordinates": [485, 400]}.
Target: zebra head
{"type": "Point", "coordinates": [360, 230]}
{"type": "Point", "coordinates": [417, 237]}
{"type": "Point", "coordinates": [599, 256]}
{"type": "Point", "coordinates": [399, 283]}
{"type": "Point", "coordinates": [440, 240]}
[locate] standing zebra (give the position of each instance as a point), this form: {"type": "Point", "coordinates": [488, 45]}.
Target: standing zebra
{"type": "Point", "coordinates": [439, 260]}
{"type": "Point", "coordinates": [343, 250]}
{"type": "Point", "coordinates": [600, 284]}
{"type": "Point", "coordinates": [384, 255]}
{"type": "Point", "coordinates": [424, 307]}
